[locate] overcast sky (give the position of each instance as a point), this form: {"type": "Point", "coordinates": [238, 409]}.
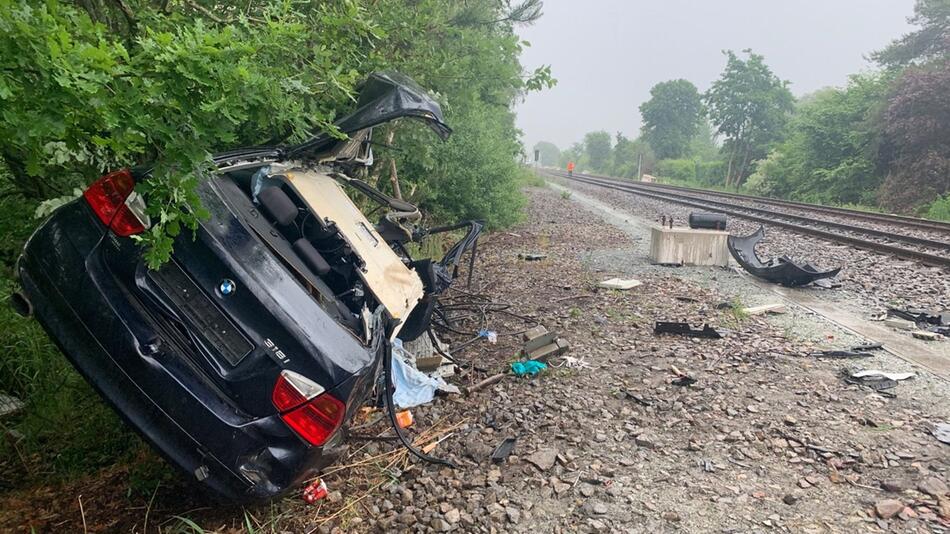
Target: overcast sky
{"type": "Point", "coordinates": [607, 54]}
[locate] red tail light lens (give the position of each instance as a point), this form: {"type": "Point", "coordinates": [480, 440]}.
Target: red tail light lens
{"type": "Point", "coordinates": [306, 408]}
{"type": "Point", "coordinates": [109, 197]}
{"type": "Point", "coordinates": [316, 420]}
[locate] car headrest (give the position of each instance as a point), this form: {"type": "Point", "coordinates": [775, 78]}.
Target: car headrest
{"type": "Point", "coordinates": [278, 205]}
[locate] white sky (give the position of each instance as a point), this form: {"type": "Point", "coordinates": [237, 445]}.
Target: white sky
{"type": "Point", "coordinates": [607, 54]}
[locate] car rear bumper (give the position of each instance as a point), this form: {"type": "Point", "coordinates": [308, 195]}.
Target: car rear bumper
{"type": "Point", "coordinates": [94, 321]}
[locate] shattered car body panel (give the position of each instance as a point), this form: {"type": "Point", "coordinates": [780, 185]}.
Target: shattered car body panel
{"type": "Point", "coordinates": [780, 270]}
{"type": "Point", "coordinates": [272, 319]}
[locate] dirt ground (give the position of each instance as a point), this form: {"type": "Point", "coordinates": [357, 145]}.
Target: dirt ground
{"type": "Point", "coordinates": [766, 439]}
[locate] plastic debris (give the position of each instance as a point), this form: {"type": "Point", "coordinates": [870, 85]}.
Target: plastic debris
{"type": "Point", "coordinates": [527, 256]}
{"type": "Point", "coordinates": [490, 335]}
{"type": "Point", "coordinates": [684, 329]}
{"type": "Point", "coordinates": [412, 386]}
{"type": "Point", "coordinates": [619, 283]}
{"type": "Point", "coordinates": [870, 373]}
{"type": "Point", "coordinates": [404, 419]}
{"type": "Point", "coordinates": [574, 363]}
{"type": "Point", "coordinates": [314, 491]}
{"type": "Point", "coordinates": [879, 381]}
{"type": "Point", "coordinates": [780, 270]}
{"type": "Point", "coordinates": [528, 368]}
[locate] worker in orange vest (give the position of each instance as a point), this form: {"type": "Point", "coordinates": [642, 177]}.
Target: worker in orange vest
{"type": "Point", "coordinates": [570, 168]}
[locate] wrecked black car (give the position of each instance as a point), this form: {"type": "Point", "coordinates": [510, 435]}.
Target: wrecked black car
{"type": "Point", "coordinates": [243, 357]}
{"type": "Point", "coordinates": [780, 270]}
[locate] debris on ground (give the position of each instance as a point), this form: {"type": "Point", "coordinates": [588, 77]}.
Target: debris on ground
{"type": "Point", "coordinates": [619, 284]}
{"type": "Point", "coordinates": [530, 256]}
{"type": "Point", "coordinates": [9, 405]}
{"type": "Point", "coordinates": [781, 270]}
{"type": "Point", "coordinates": [542, 345]}
{"type": "Point", "coordinates": [681, 378]}
{"type": "Point", "coordinates": [528, 368]}
{"type": "Point", "coordinates": [776, 309]}
{"type": "Point", "coordinates": [414, 387]}
{"type": "Point", "coordinates": [314, 491]}
{"type": "Point", "coordinates": [503, 450]}
{"type": "Point", "coordinates": [928, 325]}
{"type": "Point", "coordinates": [684, 329]}
{"type": "Point", "coordinates": [926, 336]}
{"type": "Point", "coordinates": [876, 380]}
{"type": "Point", "coordinates": [573, 363]}
{"type": "Point", "coordinates": [840, 353]}
{"type": "Point", "coordinates": [871, 373]}
{"type": "Point", "coordinates": [404, 419]}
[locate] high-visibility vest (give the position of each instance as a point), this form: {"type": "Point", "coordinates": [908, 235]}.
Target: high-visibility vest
{"type": "Point", "coordinates": [570, 165]}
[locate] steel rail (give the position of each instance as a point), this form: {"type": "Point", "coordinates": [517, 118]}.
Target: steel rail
{"type": "Point", "coordinates": [720, 207]}
{"type": "Point", "coordinates": [890, 218]}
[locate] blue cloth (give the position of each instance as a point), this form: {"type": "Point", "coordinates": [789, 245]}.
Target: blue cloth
{"type": "Point", "coordinates": [413, 387]}
{"type": "Point", "coordinates": [529, 368]}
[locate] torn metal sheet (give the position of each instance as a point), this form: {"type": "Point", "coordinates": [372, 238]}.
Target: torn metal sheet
{"type": "Point", "coordinates": [780, 270]}
{"type": "Point", "coordinates": [684, 329]}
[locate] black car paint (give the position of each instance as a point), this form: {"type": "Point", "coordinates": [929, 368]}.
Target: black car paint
{"type": "Point", "coordinates": [207, 415]}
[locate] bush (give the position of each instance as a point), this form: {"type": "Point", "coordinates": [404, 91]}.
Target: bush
{"type": "Point", "coordinates": [677, 169]}
{"type": "Point", "coordinates": [939, 209]}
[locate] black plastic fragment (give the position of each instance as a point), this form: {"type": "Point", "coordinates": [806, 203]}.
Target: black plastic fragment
{"type": "Point", "coordinates": [684, 329]}
{"type": "Point", "coordinates": [683, 381]}
{"type": "Point", "coordinates": [780, 270]}
{"type": "Point", "coordinates": [840, 354]}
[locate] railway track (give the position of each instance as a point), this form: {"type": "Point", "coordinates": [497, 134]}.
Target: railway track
{"type": "Point", "coordinates": [899, 243]}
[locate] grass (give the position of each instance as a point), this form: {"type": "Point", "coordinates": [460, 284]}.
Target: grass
{"type": "Point", "coordinates": [532, 179]}
{"type": "Point", "coordinates": [565, 194]}
{"type": "Point", "coordinates": [65, 430]}
{"type": "Point", "coordinates": [737, 311]}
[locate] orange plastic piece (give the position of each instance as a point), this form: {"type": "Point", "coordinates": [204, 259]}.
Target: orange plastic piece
{"type": "Point", "coordinates": [404, 419]}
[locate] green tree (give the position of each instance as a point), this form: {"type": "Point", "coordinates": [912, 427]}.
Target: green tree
{"type": "Point", "coordinates": [830, 154]}
{"type": "Point", "coordinates": [628, 155]}
{"type": "Point", "coordinates": [671, 118]}
{"type": "Point", "coordinates": [749, 106]}
{"type": "Point", "coordinates": [931, 41]}
{"type": "Point", "coordinates": [597, 148]}
{"type": "Point", "coordinates": [550, 155]}
{"type": "Point", "coordinates": [702, 146]}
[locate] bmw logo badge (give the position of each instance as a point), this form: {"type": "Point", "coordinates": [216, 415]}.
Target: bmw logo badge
{"type": "Point", "coordinates": [226, 287]}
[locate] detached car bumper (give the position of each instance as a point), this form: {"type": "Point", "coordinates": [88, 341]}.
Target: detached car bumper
{"type": "Point", "coordinates": [147, 378]}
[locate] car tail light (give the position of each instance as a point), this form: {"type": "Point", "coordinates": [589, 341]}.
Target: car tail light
{"type": "Point", "coordinates": [306, 408]}
{"type": "Point", "coordinates": [117, 205]}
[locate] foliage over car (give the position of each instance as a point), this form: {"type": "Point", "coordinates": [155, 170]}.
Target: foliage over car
{"type": "Point", "coordinates": [88, 89]}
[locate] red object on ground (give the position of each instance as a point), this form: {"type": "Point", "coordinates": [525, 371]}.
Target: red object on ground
{"type": "Point", "coordinates": [315, 491]}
